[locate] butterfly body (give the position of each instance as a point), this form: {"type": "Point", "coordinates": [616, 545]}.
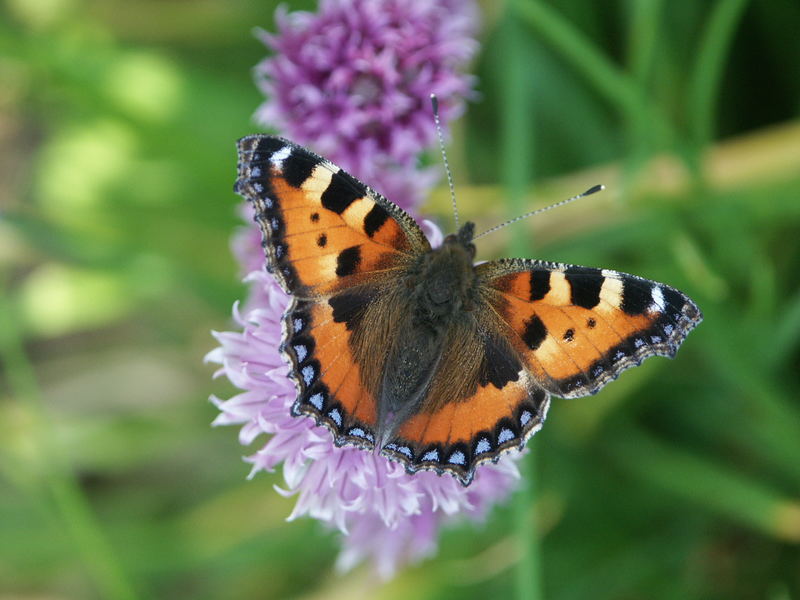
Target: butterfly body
{"type": "Point", "coordinates": [415, 351]}
{"type": "Point", "coordinates": [442, 289]}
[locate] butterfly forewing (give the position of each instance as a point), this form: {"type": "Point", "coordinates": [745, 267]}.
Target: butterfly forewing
{"type": "Point", "coordinates": [323, 229]}
{"type": "Point", "coordinates": [577, 327]}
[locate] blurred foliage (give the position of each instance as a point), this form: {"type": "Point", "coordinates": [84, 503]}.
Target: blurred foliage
{"type": "Point", "coordinates": [117, 123]}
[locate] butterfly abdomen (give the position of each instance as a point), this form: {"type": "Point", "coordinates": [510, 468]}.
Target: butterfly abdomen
{"type": "Point", "coordinates": [410, 366]}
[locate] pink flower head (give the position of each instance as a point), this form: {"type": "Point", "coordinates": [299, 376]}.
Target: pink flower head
{"type": "Point", "coordinates": [354, 81]}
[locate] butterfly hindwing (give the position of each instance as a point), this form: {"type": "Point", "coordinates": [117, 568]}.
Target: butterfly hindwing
{"type": "Point", "coordinates": [578, 327]}
{"type": "Point", "coordinates": [323, 230]}
{"type": "Point", "coordinates": [483, 401]}
{"type": "Point", "coordinates": [327, 375]}
{"type": "Point", "coordinates": [460, 436]}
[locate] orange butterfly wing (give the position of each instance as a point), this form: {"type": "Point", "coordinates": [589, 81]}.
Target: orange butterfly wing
{"type": "Point", "coordinates": [578, 328]}
{"type": "Point", "coordinates": [323, 229]}
{"type": "Point", "coordinates": [461, 435]}
{"type": "Point", "coordinates": [327, 376]}
{"type": "Point", "coordinates": [483, 402]}
{"type": "Point", "coordinates": [333, 243]}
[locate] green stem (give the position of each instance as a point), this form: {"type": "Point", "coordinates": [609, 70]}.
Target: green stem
{"type": "Point", "coordinates": [65, 493]}
{"type": "Point", "coordinates": [529, 568]}
{"type": "Point", "coordinates": [642, 39]}
{"type": "Point", "coordinates": [589, 61]}
{"type": "Point", "coordinates": [707, 74]}
{"type": "Point", "coordinates": [645, 21]}
{"type": "Point", "coordinates": [517, 154]}
{"type": "Point", "coordinates": [516, 130]}
{"type": "Point", "coordinates": [786, 332]}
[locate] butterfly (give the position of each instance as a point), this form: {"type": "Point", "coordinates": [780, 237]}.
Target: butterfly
{"type": "Point", "coordinates": [418, 353]}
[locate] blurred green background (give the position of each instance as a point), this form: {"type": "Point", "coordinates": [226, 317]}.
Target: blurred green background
{"type": "Point", "coordinates": [117, 129]}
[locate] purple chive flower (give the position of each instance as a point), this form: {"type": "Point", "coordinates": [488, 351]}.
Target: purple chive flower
{"type": "Point", "coordinates": [354, 82]}
{"type": "Point", "coordinates": [377, 62]}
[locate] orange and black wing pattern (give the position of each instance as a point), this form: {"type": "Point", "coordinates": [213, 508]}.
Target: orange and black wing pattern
{"type": "Point", "coordinates": [334, 244]}
{"type": "Point", "coordinates": [460, 436]}
{"type": "Point", "coordinates": [323, 230]}
{"type": "Point", "coordinates": [578, 328]}
{"type": "Point", "coordinates": [328, 377]}
{"type": "Point", "coordinates": [483, 402]}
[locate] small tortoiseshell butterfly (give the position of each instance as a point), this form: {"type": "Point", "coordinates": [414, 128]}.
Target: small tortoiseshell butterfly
{"type": "Point", "coordinates": [439, 363]}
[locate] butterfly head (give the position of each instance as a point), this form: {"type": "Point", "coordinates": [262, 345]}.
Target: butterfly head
{"type": "Point", "coordinates": [463, 238]}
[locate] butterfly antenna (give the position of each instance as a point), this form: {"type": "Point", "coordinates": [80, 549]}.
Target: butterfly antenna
{"type": "Point", "coordinates": [435, 104]}
{"type": "Point", "coordinates": [589, 192]}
